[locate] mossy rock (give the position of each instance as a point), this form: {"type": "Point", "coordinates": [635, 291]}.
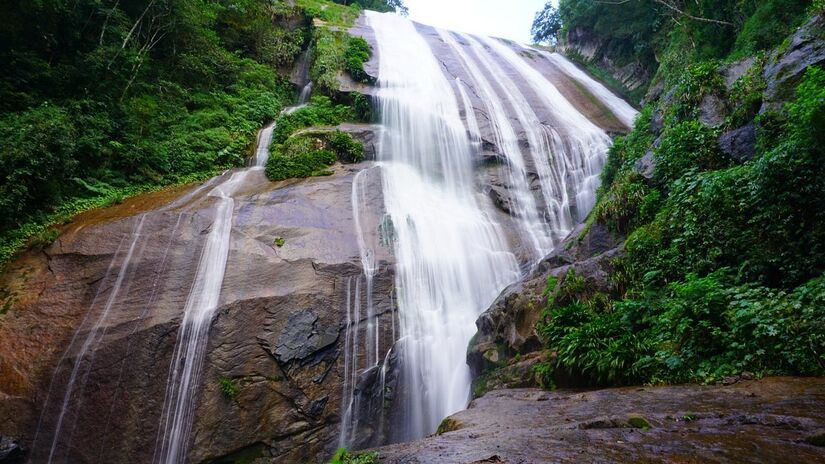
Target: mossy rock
{"type": "Point", "coordinates": [638, 422]}
{"type": "Point", "coordinates": [818, 439]}
{"type": "Point", "coordinates": [448, 425]}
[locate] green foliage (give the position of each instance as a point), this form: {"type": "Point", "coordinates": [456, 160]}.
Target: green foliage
{"type": "Point", "coordinates": [346, 148]}
{"type": "Point", "coordinates": [91, 113]}
{"type": "Point", "coordinates": [687, 146]}
{"type": "Point", "coordinates": [769, 21]}
{"type": "Point", "coordinates": [664, 41]}
{"type": "Point", "coordinates": [723, 271]}
{"type": "Point", "coordinates": [700, 330]}
{"type": "Point", "coordinates": [546, 24]}
{"type": "Point", "coordinates": [301, 152]}
{"type": "Point", "coordinates": [333, 14]}
{"type": "Point", "coordinates": [447, 425]}
{"type": "Point", "coordinates": [279, 242]}
{"type": "Point", "coordinates": [320, 112]}
{"type": "Point", "coordinates": [342, 456]}
{"type": "Point", "coordinates": [336, 51]}
{"type": "Point", "coordinates": [358, 52]}
{"type": "Point", "coordinates": [229, 388]}
{"type": "Point", "coordinates": [307, 164]}
{"type": "Point", "coordinates": [361, 107]}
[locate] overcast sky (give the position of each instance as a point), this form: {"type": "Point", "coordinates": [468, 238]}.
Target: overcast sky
{"type": "Point", "coordinates": [510, 19]}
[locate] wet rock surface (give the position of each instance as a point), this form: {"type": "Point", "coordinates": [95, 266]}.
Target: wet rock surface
{"type": "Point", "coordinates": [768, 421]}
{"type": "Point", "coordinates": [788, 64]}
{"type": "Point", "coordinates": [583, 42]}
{"type": "Point", "coordinates": [277, 336]}
{"type": "Point", "coordinates": [507, 346]}
{"type": "Point", "coordinates": [11, 451]}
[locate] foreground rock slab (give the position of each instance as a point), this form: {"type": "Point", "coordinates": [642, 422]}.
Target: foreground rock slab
{"type": "Point", "coordinates": [771, 420]}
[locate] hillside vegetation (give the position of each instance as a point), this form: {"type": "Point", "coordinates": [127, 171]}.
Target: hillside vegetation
{"type": "Point", "coordinates": [100, 100]}
{"type": "Point", "coordinates": [720, 193]}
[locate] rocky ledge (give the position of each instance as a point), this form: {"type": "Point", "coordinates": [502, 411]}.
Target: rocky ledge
{"type": "Point", "coordinates": [769, 420]}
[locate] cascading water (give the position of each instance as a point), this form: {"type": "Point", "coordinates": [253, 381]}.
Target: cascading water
{"type": "Point", "coordinates": [203, 299]}
{"type": "Point", "coordinates": [306, 92]}
{"type": "Point", "coordinates": [82, 364]}
{"type": "Point", "coordinates": [451, 256]}
{"type": "Point", "coordinates": [452, 260]}
{"type": "Point", "coordinates": [578, 145]}
{"type": "Point", "coordinates": [620, 108]}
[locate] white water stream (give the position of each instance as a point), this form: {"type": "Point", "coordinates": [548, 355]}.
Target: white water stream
{"type": "Point", "coordinates": [452, 260]}
{"type": "Point", "coordinates": [204, 296]}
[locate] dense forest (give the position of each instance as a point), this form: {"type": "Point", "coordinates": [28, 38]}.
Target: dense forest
{"type": "Point", "coordinates": [719, 191]}
{"type": "Point", "coordinates": [100, 100]}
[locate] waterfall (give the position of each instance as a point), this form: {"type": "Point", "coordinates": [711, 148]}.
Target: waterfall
{"type": "Point", "coordinates": [204, 296]}
{"type": "Point", "coordinates": [452, 259]}
{"type": "Point", "coordinates": [620, 108]}
{"type": "Point", "coordinates": [305, 93]}
{"type": "Point", "coordinates": [82, 366]}
{"type": "Point", "coordinates": [578, 146]}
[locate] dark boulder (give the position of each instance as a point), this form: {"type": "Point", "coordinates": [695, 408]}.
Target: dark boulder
{"type": "Point", "coordinates": [739, 144]}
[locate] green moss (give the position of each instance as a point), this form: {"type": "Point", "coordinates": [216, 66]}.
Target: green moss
{"type": "Point", "coordinates": [817, 439]}
{"type": "Point", "coordinates": [279, 242]}
{"type": "Point", "coordinates": [358, 52]}
{"type": "Point", "coordinates": [229, 388]}
{"type": "Point", "coordinates": [311, 153]}
{"type": "Point", "coordinates": [449, 424]}
{"type": "Point", "coordinates": [342, 456]}
{"type": "Point", "coordinates": [638, 422]}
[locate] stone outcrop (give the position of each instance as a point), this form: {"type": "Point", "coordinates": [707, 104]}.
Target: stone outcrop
{"type": "Point", "coordinates": [788, 64]}
{"type": "Point", "coordinates": [753, 421]}
{"type": "Point", "coordinates": [507, 346]}
{"type": "Point", "coordinates": [739, 144]}
{"type": "Point", "coordinates": [583, 43]}
{"type": "Point", "coordinates": [277, 337]}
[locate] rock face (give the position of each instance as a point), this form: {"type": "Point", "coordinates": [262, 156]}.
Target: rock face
{"type": "Point", "coordinates": [582, 42]}
{"type": "Point", "coordinates": [788, 65]}
{"type": "Point", "coordinates": [506, 347]}
{"type": "Point", "coordinates": [277, 336]}
{"type": "Point", "coordinates": [754, 421]}
{"type": "Point", "coordinates": [739, 144]}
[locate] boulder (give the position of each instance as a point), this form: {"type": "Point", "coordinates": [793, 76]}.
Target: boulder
{"type": "Point", "coordinates": [739, 144]}
{"type": "Point", "coordinates": [646, 165]}
{"type": "Point", "coordinates": [712, 111]}
{"type": "Point", "coordinates": [787, 66]}
{"type": "Point", "coordinates": [734, 71]}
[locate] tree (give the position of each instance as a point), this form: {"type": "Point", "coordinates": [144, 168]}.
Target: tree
{"type": "Point", "coordinates": [547, 24]}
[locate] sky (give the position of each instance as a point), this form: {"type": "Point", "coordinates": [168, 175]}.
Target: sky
{"type": "Point", "coordinates": [509, 19]}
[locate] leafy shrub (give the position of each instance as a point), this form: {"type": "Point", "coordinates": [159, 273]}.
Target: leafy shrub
{"type": "Point", "coordinates": [320, 112]}
{"type": "Point", "coordinates": [314, 163]}
{"type": "Point", "coordinates": [358, 52]}
{"type": "Point", "coordinates": [311, 153]}
{"type": "Point", "coordinates": [342, 456]}
{"type": "Point", "coordinates": [723, 271]}
{"type": "Point", "coordinates": [687, 146]}
{"type": "Point", "coordinates": [345, 147]}
{"type": "Point", "coordinates": [38, 159]}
